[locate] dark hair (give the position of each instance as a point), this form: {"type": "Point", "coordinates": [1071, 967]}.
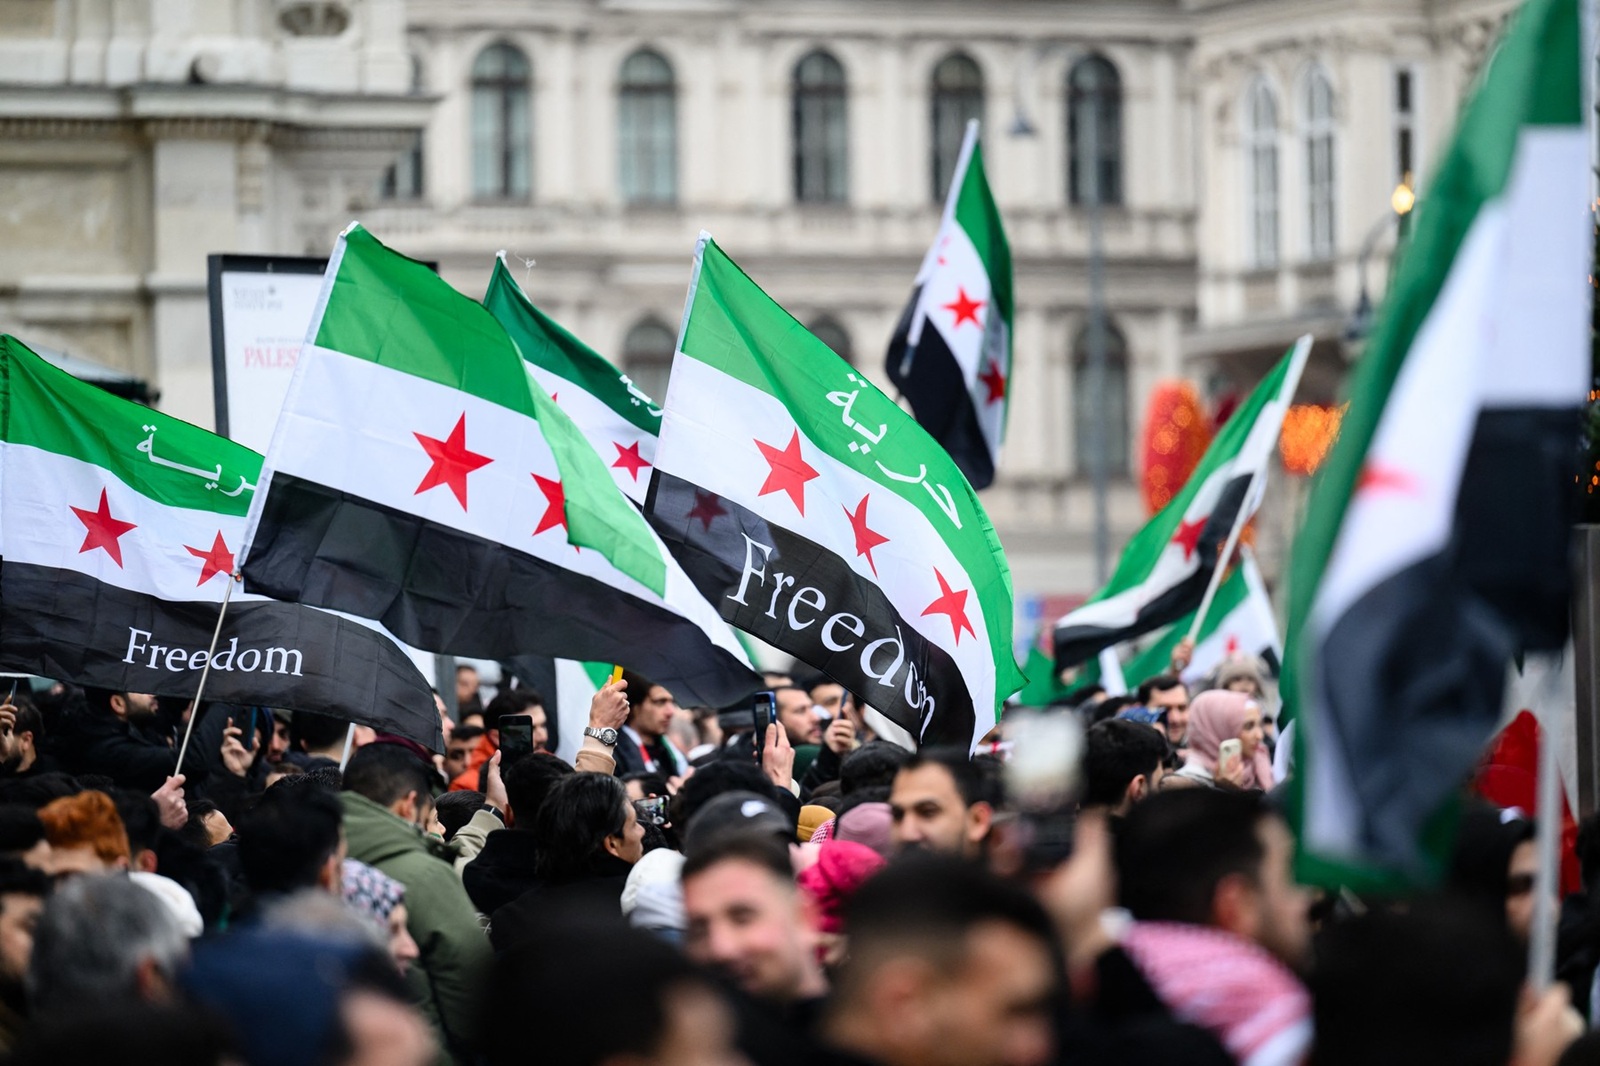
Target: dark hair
{"type": "Point", "coordinates": [1108, 708]}
{"type": "Point", "coordinates": [577, 815]}
{"type": "Point", "coordinates": [758, 849]}
{"type": "Point", "coordinates": [1436, 983]}
{"type": "Point", "coordinates": [20, 828]}
{"type": "Point", "coordinates": [194, 831]}
{"type": "Point", "coordinates": [19, 879]}
{"type": "Point", "coordinates": [140, 817]}
{"type": "Point", "coordinates": [638, 688]}
{"type": "Point", "coordinates": [653, 784]}
{"type": "Point", "coordinates": [308, 730]}
{"type": "Point", "coordinates": [528, 782]}
{"type": "Point", "coordinates": [510, 701]}
{"type": "Point", "coordinates": [1159, 683]}
{"type": "Point", "coordinates": [455, 809]}
{"type": "Point", "coordinates": [1176, 847]}
{"type": "Point", "coordinates": [977, 779]}
{"type": "Point", "coordinates": [549, 985]}
{"type": "Point", "coordinates": [384, 773]}
{"type": "Point", "coordinates": [873, 765]}
{"type": "Point", "coordinates": [29, 720]}
{"type": "Point", "coordinates": [466, 732]}
{"type": "Point", "coordinates": [287, 837]}
{"type": "Point", "coordinates": [1480, 865]}
{"type": "Point", "coordinates": [857, 798]}
{"type": "Point", "coordinates": [36, 790]}
{"type": "Point", "coordinates": [1114, 753]}
{"type": "Point", "coordinates": [728, 773]}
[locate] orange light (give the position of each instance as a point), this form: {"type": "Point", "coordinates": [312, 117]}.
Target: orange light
{"type": "Point", "coordinates": [1309, 430]}
{"type": "Point", "coordinates": [1176, 434]}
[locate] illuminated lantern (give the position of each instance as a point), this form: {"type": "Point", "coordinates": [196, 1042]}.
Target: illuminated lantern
{"type": "Point", "coordinates": [1309, 430]}
{"type": "Point", "coordinates": [1176, 435]}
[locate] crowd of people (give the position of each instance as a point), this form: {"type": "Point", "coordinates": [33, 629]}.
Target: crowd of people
{"type": "Point", "coordinates": [696, 889]}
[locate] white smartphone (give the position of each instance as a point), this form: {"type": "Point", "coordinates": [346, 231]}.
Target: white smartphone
{"type": "Point", "coordinates": [1227, 754]}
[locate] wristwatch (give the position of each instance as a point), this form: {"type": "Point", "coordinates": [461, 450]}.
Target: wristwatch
{"type": "Point", "coordinates": [606, 736]}
{"type": "Point", "coordinates": [492, 809]}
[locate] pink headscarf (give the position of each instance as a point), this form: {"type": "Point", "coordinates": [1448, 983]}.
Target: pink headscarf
{"type": "Point", "coordinates": [1216, 715]}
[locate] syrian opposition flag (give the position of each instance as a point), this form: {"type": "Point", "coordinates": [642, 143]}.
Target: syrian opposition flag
{"type": "Point", "coordinates": [819, 517]}
{"type": "Point", "coordinates": [118, 526]}
{"type": "Point", "coordinates": [1436, 539]}
{"type": "Point", "coordinates": [1166, 566]}
{"type": "Point", "coordinates": [418, 476]}
{"type": "Point", "coordinates": [951, 353]}
{"type": "Point", "coordinates": [1239, 624]}
{"type": "Point", "coordinates": [621, 422]}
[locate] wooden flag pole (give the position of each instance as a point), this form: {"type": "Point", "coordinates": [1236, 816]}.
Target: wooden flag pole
{"type": "Point", "coordinates": [194, 712]}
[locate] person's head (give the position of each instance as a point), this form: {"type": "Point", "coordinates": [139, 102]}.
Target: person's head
{"type": "Point", "coordinates": [1242, 675]}
{"type": "Point", "coordinates": [650, 706]}
{"type": "Point", "coordinates": [776, 679]}
{"type": "Point", "coordinates": [528, 781]}
{"type": "Point", "coordinates": [797, 717]}
{"type": "Point", "coordinates": [394, 778]}
{"type": "Point", "coordinates": [292, 838]}
{"type": "Point", "coordinates": [585, 820]}
{"type": "Point", "coordinates": [873, 765]}
{"type": "Point", "coordinates": [459, 748]}
{"type": "Point", "coordinates": [827, 696]}
{"type": "Point", "coordinates": [134, 708]}
{"type": "Point", "coordinates": [645, 785]}
{"type": "Point", "coordinates": [1122, 764]}
{"type": "Point", "coordinates": [466, 683]}
{"type": "Point", "coordinates": [1214, 858]}
{"type": "Point", "coordinates": [943, 801]}
{"type": "Point", "coordinates": [455, 809]}
{"type": "Point", "coordinates": [1168, 695]}
{"type": "Point", "coordinates": [1494, 866]}
{"type": "Point", "coordinates": [22, 894]}
{"type": "Point", "coordinates": [19, 748]}
{"type": "Point", "coordinates": [719, 776]}
{"type": "Point", "coordinates": [101, 940]}
{"type": "Point", "coordinates": [522, 703]}
{"type": "Point", "coordinates": [85, 834]}
{"type": "Point", "coordinates": [141, 820]}
{"type": "Point", "coordinates": [656, 1008]}
{"type": "Point", "coordinates": [1437, 982]}
{"type": "Point", "coordinates": [22, 836]}
{"type": "Point", "coordinates": [207, 825]}
{"type": "Point", "coordinates": [948, 966]}
{"type": "Point", "coordinates": [1217, 715]}
{"type": "Point", "coordinates": [278, 742]}
{"type": "Point", "coordinates": [382, 901]}
{"type": "Point", "coordinates": [318, 734]}
{"type": "Point", "coordinates": [747, 919]}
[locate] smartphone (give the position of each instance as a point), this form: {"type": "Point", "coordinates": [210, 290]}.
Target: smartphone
{"type": "Point", "coordinates": [516, 738]}
{"type": "Point", "coordinates": [652, 811]}
{"type": "Point", "coordinates": [763, 712]}
{"type": "Point", "coordinates": [1227, 753]}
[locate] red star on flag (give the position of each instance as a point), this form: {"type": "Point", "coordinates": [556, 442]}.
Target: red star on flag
{"type": "Point", "coordinates": [1188, 537]}
{"type": "Point", "coordinates": [102, 530]}
{"type": "Point", "coordinates": [707, 507]}
{"type": "Point", "coordinates": [965, 307]}
{"type": "Point", "coordinates": [452, 462]}
{"type": "Point", "coordinates": [1386, 478]}
{"type": "Point", "coordinates": [995, 381]}
{"type": "Point", "coordinates": [218, 559]}
{"type": "Point", "coordinates": [629, 459]}
{"type": "Point", "coordinates": [1231, 648]}
{"type": "Point", "coordinates": [953, 604]}
{"type": "Point", "coordinates": [866, 537]}
{"type": "Point", "coordinates": [555, 512]}
{"type": "Point", "coordinates": [789, 471]}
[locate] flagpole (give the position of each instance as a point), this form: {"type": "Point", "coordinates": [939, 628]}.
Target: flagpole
{"type": "Point", "coordinates": [194, 712]}
{"type": "Point", "coordinates": [349, 742]}
{"type": "Point", "coordinates": [1547, 839]}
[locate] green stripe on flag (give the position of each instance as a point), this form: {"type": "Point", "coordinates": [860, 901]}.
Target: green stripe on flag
{"type": "Point", "coordinates": [1155, 660]}
{"type": "Point", "coordinates": [976, 213]}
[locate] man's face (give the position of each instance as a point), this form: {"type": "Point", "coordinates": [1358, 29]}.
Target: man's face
{"type": "Point", "coordinates": [138, 708]}
{"type": "Point", "coordinates": [278, 746]}
{"type": "Point", "coordinates": [466, 684]}
{"type": "Point", "coordinates": [743, 922]}
{"type": "Point", "coordinates": [541, 728]}
{"type": "Point", "coordinates": [651, 714]}
{"type": "Point", "coordinates": [19, 913]}
{"type": "Point", "coordinates": [456, 754]}
{"type": "Point", "coordinates": [630, 847]}
{"type": "Point", "coordinates": [930, 813]}
{"type": "Point", "coordinates": [995, 1009]}
{"type": "Point", "coordinates": [1285, 927]}
{"type": "Point", "coordinates": [794, 714]}
{"type": "Point", "coordinates": [829, 697]}
{"type": "Point", "coordinates": [1175, 702]}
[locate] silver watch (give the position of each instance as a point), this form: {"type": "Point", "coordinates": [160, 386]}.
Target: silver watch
{"type": "Point", "coordinates": [606, 736]}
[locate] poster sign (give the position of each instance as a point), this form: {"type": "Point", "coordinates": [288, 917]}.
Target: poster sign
{"type": "Point", "coordinates": [260, 308]}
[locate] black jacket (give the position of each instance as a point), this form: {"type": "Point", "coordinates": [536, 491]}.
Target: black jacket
{"type": "Point", "coordinates": [505, 869]}
{"type": "Point", "coordinates": [596, 895]}
{"type": "Point", "coordinates": [93, 743]}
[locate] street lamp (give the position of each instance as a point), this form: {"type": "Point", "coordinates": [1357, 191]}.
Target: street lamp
{"type": "Point", "coordinates": [1401, 202]}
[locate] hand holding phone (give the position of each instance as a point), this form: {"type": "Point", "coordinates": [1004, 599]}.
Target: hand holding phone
{"type": "Point", "coordinates": [1228, 760]}
{"type": "Point", "coordinates": [763, 712]}
{"type": "Point", "coordinates": [516, 737]}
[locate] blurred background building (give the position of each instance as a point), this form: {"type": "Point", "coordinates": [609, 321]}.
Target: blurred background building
{"type": "Point", "coordinates": [1247, 152]}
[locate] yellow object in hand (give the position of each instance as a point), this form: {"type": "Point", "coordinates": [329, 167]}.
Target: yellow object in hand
{"type": "Point", "coordinates": [616, 674]}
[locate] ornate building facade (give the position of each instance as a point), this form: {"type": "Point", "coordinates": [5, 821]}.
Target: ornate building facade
{"type": "Point", "coordinates": [1246, 152]}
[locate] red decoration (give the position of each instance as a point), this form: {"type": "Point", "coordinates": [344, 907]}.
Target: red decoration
{"type": "Point", "coordinates": [1176, 435]}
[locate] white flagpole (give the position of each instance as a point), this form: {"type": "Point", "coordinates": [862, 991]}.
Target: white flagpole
{"type": "Point", "coordinates": [1547, 841]}
{"type": "Point", "coordinates": [349, 742]}
{"type": "Point", "coordinates": [194, 711]}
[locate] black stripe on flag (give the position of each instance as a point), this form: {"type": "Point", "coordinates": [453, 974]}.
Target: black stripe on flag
{"type": "Point", "coordinates": [448, 591]}
{"type": "Point", "coordinates": [804, 599]}
{"type": "Point", "coordinates": [939, 397]}
{"type": "Point", "coordinates": [1080, 643]}
{"type": "Point", "coordinates": [66, 625]}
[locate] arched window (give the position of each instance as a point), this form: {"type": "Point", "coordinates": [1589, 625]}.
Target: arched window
{"type": "Point", "coordinates": [829, 332]}
{"type": "Point", "coordinates": [1319, 163]}
{"type": "Point", "coordinates": [1094, 114]}
{"type": "Point", "coordinates": [501, 124]}
{"type": "Point", "coordinates": [647, 357]}
{"type": "Point", "coordinates": [1086, 406]}
{"type": "Point", "coordinates": [1261, 164]}
{"type": "Point", "coordinates": [647, 130]}
{"type": "Point", "coordinates": [821, 131]}
{"type": "Point", "coordinates": [402, 180]}
{"type": "Point", "coordinates": [957, 100]}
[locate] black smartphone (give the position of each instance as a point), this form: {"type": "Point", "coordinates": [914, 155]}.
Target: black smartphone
{"type": "Point", "coordinates": [516, 738]}
{"type": "Point", "coordinates": [763, 712]}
